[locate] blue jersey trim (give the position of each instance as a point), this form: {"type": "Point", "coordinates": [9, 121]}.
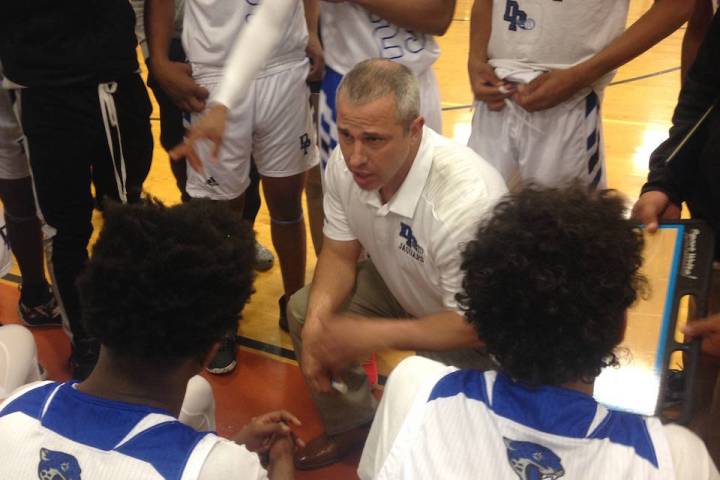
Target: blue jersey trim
{"type": "Point", "coordinates": [553, 410]}
{"type": "Point", "coordinates": [167, 447]}
{"type": "Point", "coordinates": [31, 402]}
{"type": "Point", "coordinates": [102, 424]}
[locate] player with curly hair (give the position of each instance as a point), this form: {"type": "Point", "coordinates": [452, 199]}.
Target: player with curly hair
{"type": "Point", "coordinates": [547, 283]}
{"type": "Point", "coordinates": [162, 288]}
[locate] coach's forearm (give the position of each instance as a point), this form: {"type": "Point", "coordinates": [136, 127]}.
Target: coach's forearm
{"type": "Point", "coordinates": [439, 332]}
{"type": "Point", "coordinates": [333, 281]}
{"type": "Point", "coordinates": [425, 16]}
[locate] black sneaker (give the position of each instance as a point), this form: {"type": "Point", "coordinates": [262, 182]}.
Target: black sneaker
{"type": "Point", "coordinates": [83, 357]}
{"type": "Point", "coordinates": [46, 314]}
{"type": "Point", "coordinates": [283, 321]}
{"type": "Point", "coordinates": [225, 359]}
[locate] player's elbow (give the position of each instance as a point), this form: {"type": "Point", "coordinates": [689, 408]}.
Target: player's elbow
{"type": "Point", "coordinates": [681, 9]}
{"type": "Point", "coordinates": [441, 22]}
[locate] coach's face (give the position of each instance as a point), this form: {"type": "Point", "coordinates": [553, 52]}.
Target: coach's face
{"type": "Point", "coordinates": [378, 149]}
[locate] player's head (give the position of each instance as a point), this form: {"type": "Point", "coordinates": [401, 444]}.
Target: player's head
{"type": "Point", "coordinates": [548, 280]}
{"type": "Point", "coordinates": [378, 121]}
{"type": "Point", "coordinates": [165, 284]}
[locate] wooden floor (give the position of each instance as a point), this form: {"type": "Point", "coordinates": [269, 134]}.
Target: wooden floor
{"type": "Point", "coordinates": [636, 113]}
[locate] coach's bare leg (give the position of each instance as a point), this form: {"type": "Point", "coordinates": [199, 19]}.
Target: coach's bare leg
{"type": "Point", "coordinates": [283, 197]}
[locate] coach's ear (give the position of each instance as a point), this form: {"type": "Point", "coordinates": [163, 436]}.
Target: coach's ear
{"type": "Point", "coordinates": [416, 127]}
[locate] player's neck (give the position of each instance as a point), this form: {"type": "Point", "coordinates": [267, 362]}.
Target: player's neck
{"type": "Point", "coordinates": [580, 387]}
{"type": "Point", "coordinates": [124, 381]}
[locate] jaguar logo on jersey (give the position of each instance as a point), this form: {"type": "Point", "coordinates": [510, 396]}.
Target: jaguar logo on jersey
{"type": "Point", "coordinates": [531, 461]}
{"type": "Point", "coordinates": [409, 244]}
{"type": "Point", "coordinates": [57, 466]}
{"type": "Point", "coordinates": [516, 17]}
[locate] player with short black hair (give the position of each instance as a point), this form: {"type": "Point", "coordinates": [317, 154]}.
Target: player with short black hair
{"type": "Point", "coordinates": [162, 288]}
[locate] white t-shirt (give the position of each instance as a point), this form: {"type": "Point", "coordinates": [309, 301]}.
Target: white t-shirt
{"type": "Point", "coordinates": [544, 34]}
{"type": "Point", "coordinates": [415, 239]}
{"type": "Point", "coordinates": [457, 423]}
{"type": "Point", "coordinates": [351, 34]}
{"type": "Point", "coordinates": [212, 26]}
{"type": "Point", "coordinates": [50, 428]}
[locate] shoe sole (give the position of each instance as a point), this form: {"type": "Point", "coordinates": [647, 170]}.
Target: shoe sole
{"type": "Point", "coordinates": [219, 371]}
{"type": "Point", "coordinates": [37, 325]}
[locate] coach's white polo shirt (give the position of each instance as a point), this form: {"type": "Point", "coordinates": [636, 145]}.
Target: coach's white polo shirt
{"type": "Point", "coordinates": [415, 240]}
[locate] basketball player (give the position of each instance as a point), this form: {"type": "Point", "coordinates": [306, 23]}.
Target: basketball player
{"type": "Point", "coordinates": [353, 31]}
{"type": "Point", "coordinates": [161, 289]}
{"type": "Point", "coordinates": [547, 282]}
{"type": "Point", "coordinates": [37, 305]}
{"type": "Point", "coordinates": [538, 70]}
{"type": "Point", "coordinates": [84, 111]}
{"type": "Point", "coordinates": [272, 123]}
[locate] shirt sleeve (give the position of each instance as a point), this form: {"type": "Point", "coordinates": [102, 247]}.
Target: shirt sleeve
{"type": "Point", "coordinates": [337, 226]}
{"type": "Point", "coordinates": [228, 460]}
{"type": "Point", "coordinates": [700, 90]}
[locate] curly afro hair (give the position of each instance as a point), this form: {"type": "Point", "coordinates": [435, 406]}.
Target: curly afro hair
{"type": "Point", "coordinates": [548, 279]}
{"type": "Point", "coordinates": [166, 283]}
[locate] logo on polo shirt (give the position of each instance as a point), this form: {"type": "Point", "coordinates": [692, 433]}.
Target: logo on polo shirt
{"type": "Point", "coordinates": [409, 244]}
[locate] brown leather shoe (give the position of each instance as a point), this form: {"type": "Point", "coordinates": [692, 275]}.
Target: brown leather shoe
{"type": "Point", "coordinates": [328, 449]}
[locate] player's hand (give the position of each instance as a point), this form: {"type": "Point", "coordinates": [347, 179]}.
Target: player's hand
{"type": "Point", "coordinates": [549, 89]}
{"type": "Point", "coordinates": [211, 127]}
{"type": "Point", "coordinates": [708, 330]}
{"type": "Point", "coordinates": [282, 449]}
{"type": "Point", "coordinates": [175, 79]}
{"type": "Point", "coordinates": [258, 435]}
{"type": "Point", "coordinates": [487, 87]}
{"type": "Point", "coordinates": [653, 206]}
{"type": "Point", "coordinates": [314, 52]}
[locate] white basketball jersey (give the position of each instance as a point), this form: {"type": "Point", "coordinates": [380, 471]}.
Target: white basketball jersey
{"type": "Point", "coordinates": [53, 431]}
{"type": "Point", "coordinates": [212, 26]}
{"type": "Point", "coordinates": [351, 34]}
{"type": "Point", "coordinates": [483, 425]}
{"type": "Point", "coordinates": [549, 34]}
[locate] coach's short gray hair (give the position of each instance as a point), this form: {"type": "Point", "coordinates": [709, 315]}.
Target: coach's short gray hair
{"type": "Point", "coordinates": [375, 78]}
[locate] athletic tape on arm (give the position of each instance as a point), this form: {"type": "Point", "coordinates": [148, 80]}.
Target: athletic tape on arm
{"type": "Point", "coordinates": [252, 48]}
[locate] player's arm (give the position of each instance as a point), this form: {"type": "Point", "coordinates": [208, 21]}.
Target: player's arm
{"type": "Point", "coordinates": [697, 27]}
{"type": "Point", "coordinates": [175, 78]}
{"type": "Point", "coordinates": [425, 16]}
{"type": "Point", "coordinates": [485, 85]}
{"type": "Point", "coordinates": [667, 186]}
{"type": "Point", "coordinates": [552, 88]}
{"type": "Point", "coordinates": [314, 48]}
{"type": "Point", "coordinates": [247, 57]}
